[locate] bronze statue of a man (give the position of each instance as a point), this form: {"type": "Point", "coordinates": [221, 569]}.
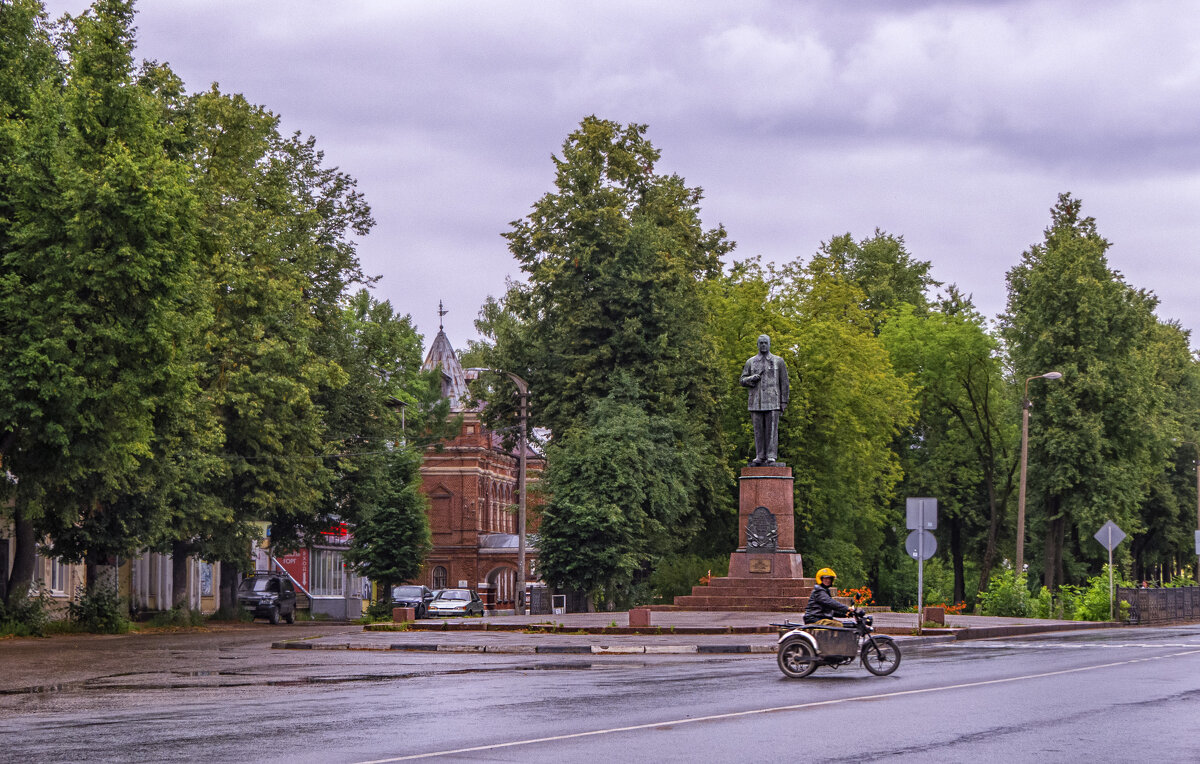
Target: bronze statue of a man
{"type": "Point", "coordinates": [767, 377]}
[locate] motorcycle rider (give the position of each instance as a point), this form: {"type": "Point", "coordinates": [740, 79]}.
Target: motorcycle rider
{"type": "Point", "coordinates": [821, 604]}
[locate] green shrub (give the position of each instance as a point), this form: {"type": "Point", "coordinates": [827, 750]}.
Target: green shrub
{"type": "Point", "coordinates": [1006, 595]}
{"type": "Point", "coordinates": [1178, 581]}
{"type": "Point", "coordinates": [379, 610]}
{"type": "Point", "coordinates": [675, 576]}
{"type": "Point", "coordinates": [27, 617]}
{"type": "Point", "coordinates": [1059, 605]}
{"type": "Point", "coordinates": [101, 611]}
{"type": "Point", "coordinates": [1093, 605]}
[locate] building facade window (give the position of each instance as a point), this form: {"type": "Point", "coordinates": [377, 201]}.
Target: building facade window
{"type": "Point", "coordinates": [59, 576]}
{"type": "Point", "coordinates": [327, 573]}
{"type": "Point", "coordinates": [439, 577]}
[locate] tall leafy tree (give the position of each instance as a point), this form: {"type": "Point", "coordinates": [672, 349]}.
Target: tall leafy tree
{"type": "Point", "coordinates": [961, 449]}
{"type": "Point", "coordinates": [619, 486]}
{"type": "Point", "coordinates": [848, 406]}
{"type": "Point", "coordinates": [380, 423]}
{"type": "Point", "coordinates": [97, 285]}
{"type": "Point", "coordinates": [847, 402]}
{"type": "Point", "coordinates": [883, 270]}
{"type": "Point", "coordinates": [1096, 440]}
{"type": "Point", "coordinates": [28, 64]}
{"type": "Point", "coordinates": [274, 232]}
{"type": "Point", "coordinates": [614, 257]}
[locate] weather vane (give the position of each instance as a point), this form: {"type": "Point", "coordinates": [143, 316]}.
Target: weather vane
{"type": "Point", "coordinates": [441, 312]}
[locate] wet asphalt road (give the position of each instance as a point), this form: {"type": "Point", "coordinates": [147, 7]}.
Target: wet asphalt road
{"type": "Point", "coordinates": [1112, 695]}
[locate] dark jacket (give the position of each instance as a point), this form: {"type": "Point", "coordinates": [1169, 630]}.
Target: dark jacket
{"type": "Point", "coordinates": [821, 604]}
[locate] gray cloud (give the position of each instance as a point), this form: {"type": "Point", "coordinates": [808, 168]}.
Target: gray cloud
{"type": "Point", "coordinates": [954, 124]}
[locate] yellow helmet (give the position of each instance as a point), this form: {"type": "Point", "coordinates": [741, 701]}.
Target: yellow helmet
{"type": "Point", "coordinates": [826, 572]}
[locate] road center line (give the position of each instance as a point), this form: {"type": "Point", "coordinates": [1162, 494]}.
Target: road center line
{"type": "Point", "coordinates": [775, 709]}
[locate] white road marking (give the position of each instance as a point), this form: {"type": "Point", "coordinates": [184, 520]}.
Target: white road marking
{"type": "Point", "coordinates": [757, 711]}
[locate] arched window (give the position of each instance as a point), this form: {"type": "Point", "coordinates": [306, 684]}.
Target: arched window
{"type": "Point", "coordinates": [439, 577]}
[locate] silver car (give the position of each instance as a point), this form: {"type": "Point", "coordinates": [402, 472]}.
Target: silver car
{"type": "Point", "coordinates": [456, 602]}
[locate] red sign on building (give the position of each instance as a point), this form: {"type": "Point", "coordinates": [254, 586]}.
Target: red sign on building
{"type": "Point", "coordinates": [296, 564]}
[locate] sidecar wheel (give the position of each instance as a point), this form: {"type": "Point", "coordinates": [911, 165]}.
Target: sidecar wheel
{"type": "Point", "coordinates": [882, 658]}
{"type": "Point", "coordinates": [796, 658]}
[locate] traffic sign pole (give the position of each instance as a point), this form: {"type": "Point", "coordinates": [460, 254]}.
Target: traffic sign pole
{"type": "Point", "coordinates": [921, 517]}
{"type": "Point", "coordinates": [920, 581]}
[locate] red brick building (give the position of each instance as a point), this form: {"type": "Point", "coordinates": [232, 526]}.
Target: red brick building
{"type": "Point", "coordinates": [472, 487]}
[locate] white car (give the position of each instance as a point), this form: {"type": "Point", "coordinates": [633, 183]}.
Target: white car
{"type": "Point", "coordinates": [456, 602]}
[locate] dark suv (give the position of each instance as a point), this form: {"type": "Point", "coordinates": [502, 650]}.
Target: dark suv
{"type": "Point", "coordinates": [268, 595]}
{"type": "Point", "coordinates": [413, 596]}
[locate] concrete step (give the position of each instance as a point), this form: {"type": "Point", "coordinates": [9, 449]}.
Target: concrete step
{"type": "Point", "coordinates": [755, 581]}
{"type": "Point", "coordinates": [742, 603]}
{"type": "Point", "coordinates": [781, 589]}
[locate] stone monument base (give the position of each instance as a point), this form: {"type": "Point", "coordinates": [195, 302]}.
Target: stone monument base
{"type": "Point", "coordinates": [746, 564]}
{"type": "Point", "coordinates": [765, 572]}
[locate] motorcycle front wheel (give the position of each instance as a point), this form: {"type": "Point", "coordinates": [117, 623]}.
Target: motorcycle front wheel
{"type": "Point", "coordinates": [796, 658]}
{"type": "Point", "coordinates": [882, 657]}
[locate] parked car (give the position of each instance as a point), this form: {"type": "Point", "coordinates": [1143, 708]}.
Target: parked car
{"type": "Point", "coordinates": [268, 595]}
{"type": "Point", "coordinates": [456, 602]}
{"type": "Point", "coordinates": [416, 597]}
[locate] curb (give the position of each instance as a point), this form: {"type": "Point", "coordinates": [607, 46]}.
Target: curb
{"type": "Point", "coordinates": [415, 647]}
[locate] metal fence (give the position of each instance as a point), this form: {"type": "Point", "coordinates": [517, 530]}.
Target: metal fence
{"type": "Point", "coordinates": [1155, 606]}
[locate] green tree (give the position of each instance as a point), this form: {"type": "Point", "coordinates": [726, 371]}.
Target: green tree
{"type": "Point", "coordinates": [847, 402]}
{"type": "Point", "coordinates": [1097, 439]}
{"type": "Point", "coordinates": [882, 268]}
{"type": "Point", "coordinates": [620, 486]}
{"type": "Point", "coordinates": [274, 228]}
{"type": "Point", "coordinates": [377, 483]}
{"type": "Point", "coordinates": [961, 449]}
{"type": "Point", "coordinates": [848, 406]}
{"type": "Point", "coordinates": [614, 258]}
{"type": "Point", "coordinates": [391, 530]}
{"type": "Point", "coordinates": [28, 65]}
{"type": "Point", "coordinates": [97, 287]}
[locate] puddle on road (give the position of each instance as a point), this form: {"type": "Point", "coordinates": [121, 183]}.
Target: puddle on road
{"type": "Point", "coordinates": [227, 679]}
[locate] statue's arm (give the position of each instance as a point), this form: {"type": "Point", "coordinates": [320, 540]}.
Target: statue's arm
{"type": "Point", "coordinates": [749, 378]}
{"type": "Point", "coordinates": [783, 384]}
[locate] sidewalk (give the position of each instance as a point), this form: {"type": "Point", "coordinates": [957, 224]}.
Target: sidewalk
{"type": "Point", "coordinates": [670, 632]}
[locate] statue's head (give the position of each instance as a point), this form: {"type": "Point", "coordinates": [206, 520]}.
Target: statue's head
{"type": "Point", "coordinates": [764, 343]}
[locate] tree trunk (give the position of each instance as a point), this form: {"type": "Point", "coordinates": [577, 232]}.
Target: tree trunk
{"type": "Point", "coordinates": [229, 583]}
{"type": "Point", "coordinates": [23, 554]}
{"type": "Point", "coordinates": [91, 572]}
{"type": "Point", "coordinates": [1055, 532]}
{"type": "Point", "coordinates": [179, 573]}
{"type": "Point", "coordinates": [993, 536]}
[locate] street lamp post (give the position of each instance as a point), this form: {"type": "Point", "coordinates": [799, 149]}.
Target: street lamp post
{"type": "Point", "coordinates": [1026, 404]}
{"type": "Point", "coordinates": [523, 391]}
{"type": "Point", "coordinates": [1196, 446]}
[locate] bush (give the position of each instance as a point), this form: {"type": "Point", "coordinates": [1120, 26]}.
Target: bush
{"type": "Point", "coordinates": [27, 617]}
{"type": "Point", "coordinates": [1059, 605]}
{"type": "Point", "coordinates": [1093, 605]}
{"type": "Point", "coordinates": [379, 610]}
{"type": "Point", "coordinates": [675, 576]}
{"type": "Point", "coordinates": [1007, 595]}
{"type": "Point", "coordinates": [101, 611]}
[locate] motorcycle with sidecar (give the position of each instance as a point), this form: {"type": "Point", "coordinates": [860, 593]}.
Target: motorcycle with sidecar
{"type": "Point", "coordinates": [804, 648]}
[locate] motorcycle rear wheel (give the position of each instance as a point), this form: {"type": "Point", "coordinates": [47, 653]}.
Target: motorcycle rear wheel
{"type": "Point", "coordinates": [796, 658]}
{"type": "Point", "coordinates": [882, 658]}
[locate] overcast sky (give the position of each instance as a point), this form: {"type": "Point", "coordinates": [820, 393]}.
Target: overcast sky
{"type": "Point", "coordinates": [953, 124]}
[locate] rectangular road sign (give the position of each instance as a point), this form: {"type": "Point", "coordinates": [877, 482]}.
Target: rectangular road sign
{"type": "Point", "coordinates": [921, 514]}
{"type": "Point", "coordinates": [1110, 535]}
